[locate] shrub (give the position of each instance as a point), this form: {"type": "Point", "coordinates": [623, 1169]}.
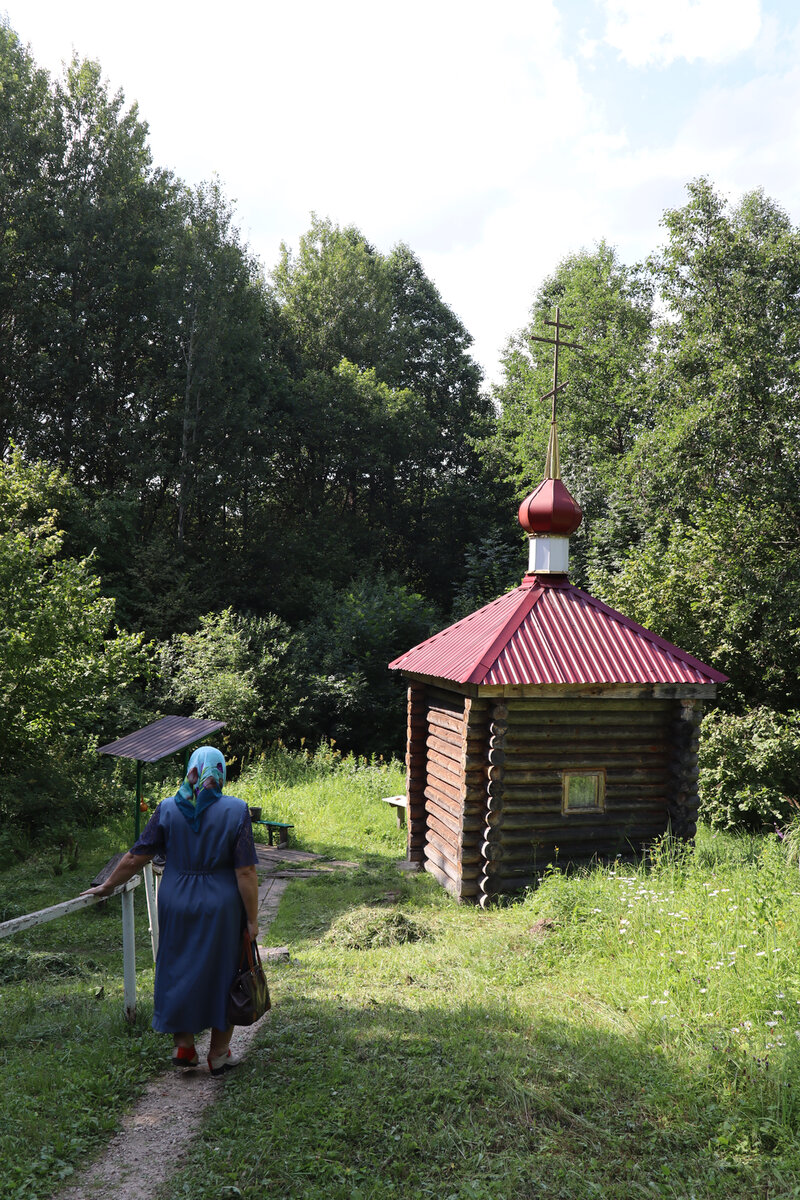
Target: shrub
{"type": "Point", "coordinates": [749, 768]}
{"type": "Point", "coordinates": [67, 680]}
{"type": "Point", "coordinates": [235, 669]}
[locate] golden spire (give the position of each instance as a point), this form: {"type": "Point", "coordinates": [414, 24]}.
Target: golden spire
{"type": "Point", "coordinates": [552, 467]}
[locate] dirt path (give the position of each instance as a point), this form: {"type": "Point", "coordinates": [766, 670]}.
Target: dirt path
{"type": "Point", "coordinates": [156, 1136]}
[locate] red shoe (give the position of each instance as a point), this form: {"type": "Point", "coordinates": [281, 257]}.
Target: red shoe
{"type": "Point", "coordinates": [185, 1056]}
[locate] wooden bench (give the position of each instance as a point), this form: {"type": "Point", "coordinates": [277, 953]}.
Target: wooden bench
{"type": "Point", "coordinates": [400, 804]}
{"type": "Point", "coordinates": [276, 828]}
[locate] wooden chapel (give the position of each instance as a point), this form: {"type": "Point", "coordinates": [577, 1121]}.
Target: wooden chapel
{"type": "Point", "coordinates": [546, 726]}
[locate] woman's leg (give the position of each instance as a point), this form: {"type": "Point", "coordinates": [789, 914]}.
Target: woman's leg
{"type": "Point", "coordinates": [183, 1039]}
{"type": "Point", "coordinates": [220, 1040]}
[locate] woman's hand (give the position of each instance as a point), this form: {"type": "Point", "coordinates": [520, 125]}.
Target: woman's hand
{"type": "Point", "coordinates": [102, 889]}
{"type": "Point", "coordinates": [252, 929]}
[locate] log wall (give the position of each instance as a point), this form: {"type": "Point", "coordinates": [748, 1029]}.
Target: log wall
{"type": "Point", "coordinates": [485, 777]}
{"type": "Point", "coordinates": [632, 740]}
{"type": "Point", "coordinates": [415, 772]}
{"type": "Point", "coordinates": [455, 788]}
{"type": "Point", "coordinates": [685, 800]}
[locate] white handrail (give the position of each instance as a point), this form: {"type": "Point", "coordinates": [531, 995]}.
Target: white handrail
{"type": "Point", "coordinates": [31, 920]}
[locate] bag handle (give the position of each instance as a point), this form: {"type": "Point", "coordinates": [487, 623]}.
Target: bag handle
{"type": "Point", "coordinates": [249, 951]}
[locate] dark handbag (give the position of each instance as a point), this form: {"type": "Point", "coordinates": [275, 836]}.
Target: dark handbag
{"type": "Point", "coordinates": [248, 998]}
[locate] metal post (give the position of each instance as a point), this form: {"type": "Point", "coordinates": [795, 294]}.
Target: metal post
{"type": "Point", "coordinates": [152, 906]}
{"type": "Point", "coordinates": [128, 956]}
{"type": "Point", "coordinates": [137, 816]}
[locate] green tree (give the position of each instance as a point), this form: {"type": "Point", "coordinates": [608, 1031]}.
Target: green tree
{"type": "Point", "coordinates": [606, 403]}
{"type": "Point", "coordinates": [707, 547]}
{"type": "Point", "coordinates": [68, 681]}
{"type": "Point", "coordinates": [352, 699]}
{"type": "Point", "coordinates": [240, 670]}
{"type": "Point", "coordinates": [726, 369]}
{"type": "Point", "coordinates": [335, 296]}
{"type": "Point", "coordinates": [387, 408]}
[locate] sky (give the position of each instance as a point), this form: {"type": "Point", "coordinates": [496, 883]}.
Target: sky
{"type": "Point", "coordinates": [493, 138]}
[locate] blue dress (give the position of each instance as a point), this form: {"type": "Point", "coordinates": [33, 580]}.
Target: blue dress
{"type": "Point", "coordinates": [200, 911]}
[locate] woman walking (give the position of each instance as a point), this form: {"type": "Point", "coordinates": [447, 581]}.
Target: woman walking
{"type": "Point", "coordinates": [208, 895]}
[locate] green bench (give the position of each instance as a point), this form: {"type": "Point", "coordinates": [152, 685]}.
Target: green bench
{"type": "Point", "coordinates": [277, 829]}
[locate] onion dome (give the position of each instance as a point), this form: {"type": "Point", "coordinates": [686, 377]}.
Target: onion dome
{"type": "Point", "coordinates": [550, 509]}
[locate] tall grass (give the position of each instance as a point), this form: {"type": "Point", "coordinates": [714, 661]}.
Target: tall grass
{"type": "Point", "coordinates": [333, 801]}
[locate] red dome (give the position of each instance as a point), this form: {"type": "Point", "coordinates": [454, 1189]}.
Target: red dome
{"type": "Point", "coordinates": [550, 509]}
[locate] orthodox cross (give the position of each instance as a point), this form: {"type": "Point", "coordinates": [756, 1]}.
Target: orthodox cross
{"type": "Point", "coordinates": [553, 464]}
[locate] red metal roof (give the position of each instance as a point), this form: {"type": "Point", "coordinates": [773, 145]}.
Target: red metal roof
{"type": "Point", "coordinates": [547, 631]}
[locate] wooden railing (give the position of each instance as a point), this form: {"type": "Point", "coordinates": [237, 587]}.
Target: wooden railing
{"type": "Point", "coordinates": [31, 920]}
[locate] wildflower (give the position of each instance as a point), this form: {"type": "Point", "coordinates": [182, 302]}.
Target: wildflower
{"type": "Point", "coordinates": [770, 1024]}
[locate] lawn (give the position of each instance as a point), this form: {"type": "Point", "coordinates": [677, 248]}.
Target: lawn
{"type": "Point", "coordinates": [617, 1033]}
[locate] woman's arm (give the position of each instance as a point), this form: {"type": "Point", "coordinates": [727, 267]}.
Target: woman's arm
{"type": "Point", "coordinates": [125, 869]}
{"type": "Point", "coordinates": [247, 881]}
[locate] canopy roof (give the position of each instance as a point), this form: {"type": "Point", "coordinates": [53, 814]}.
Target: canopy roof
{"type": "Point", "coordinates": [547, 632]}
{"type": "Point", "coordinates": [162, 738]}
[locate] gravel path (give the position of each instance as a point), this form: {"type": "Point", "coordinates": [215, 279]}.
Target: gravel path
{"type": "Point", "coordinates": [156, 1136]}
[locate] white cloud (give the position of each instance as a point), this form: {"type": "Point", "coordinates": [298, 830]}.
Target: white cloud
{"type": "Point", "coordinates": [656, 32]}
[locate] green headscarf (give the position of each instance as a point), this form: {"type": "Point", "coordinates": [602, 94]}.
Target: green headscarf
{"type": "Point", "coordinates": [194, 799]}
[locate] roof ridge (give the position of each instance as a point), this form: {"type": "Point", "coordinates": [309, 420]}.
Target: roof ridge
{"type": "Point", "coordinates": [501, 638]}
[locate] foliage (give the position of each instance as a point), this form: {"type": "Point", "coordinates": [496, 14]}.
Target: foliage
{"type": "Point", "coordinates": [65, 683]}
{"type": "Point", "coordinates": [492, 567]}
{"type": "Point", "coordinates": [750, 768]}
{"type": "Point", "coordinates": [353, 699]}
{"type": "Point", "coordinates": [699, 583]}
{"type": "Point", "coordinates": [240, 670]}
{"type": "Point", "coordinates": [608, 307]}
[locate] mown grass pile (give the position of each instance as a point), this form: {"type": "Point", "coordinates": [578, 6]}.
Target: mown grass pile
{"type": "Point", "coordinates": [620, 1032]}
